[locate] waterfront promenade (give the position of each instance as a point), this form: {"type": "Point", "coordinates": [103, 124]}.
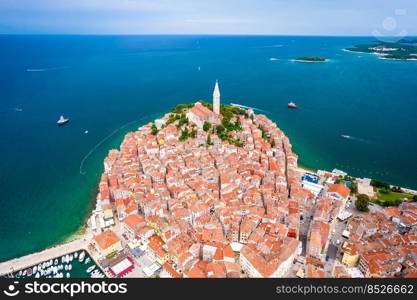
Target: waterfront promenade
{"type": "Point", "coordinates": [36, 258]}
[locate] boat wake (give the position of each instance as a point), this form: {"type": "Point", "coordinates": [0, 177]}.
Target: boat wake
{"type": "Point", "coordinates": [46, 69]}
{"type": "Point", "coordinates": [17, 109]}
{"type": "Point", "coordinates": [82, 172]}
{"type": "Point", "coordinates": [247, 107]}
{"type": "Point", "coordinates": [274, 46]}
{"type": "Point", "coordinates": [353, 138]}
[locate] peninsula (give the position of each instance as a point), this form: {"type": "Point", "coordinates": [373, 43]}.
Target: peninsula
{"type": "Point", "coordinates": [214, 191]}
{"type": "Point", "coordinates": [402, 50]}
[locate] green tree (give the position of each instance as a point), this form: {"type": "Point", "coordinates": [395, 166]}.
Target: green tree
{"type": "Point", "coordinates": [238, 143]}
{"type": "Point", "coordinates": [220, 129]}
{"type": "Point", "coordinates": [173, 118]}
{"type": "Point", "coordinates": [380, 184]}
{"type": "Point", "coordinates": [361, 203]}
{"type": "Point", "coordinates": [384, 191]}
{"type": "Point", "coordinates": [415, 198]}
{"type": "Point", "coordinates": [154, 130]}
{"type": "Point", "coordinates": [180, 108]}
{"type": "Point", "coordinates": [206, 126]}
{"type": "Point", "coordinates": [184, 135]}
{"type": "Point", "coordinates": [354, 187]}
{"type": "Point", "coordinates": [209, 142]}
{"type": "Point", "coordinates": [397, 189]}
{"type": "Point", "coordinates": [183, 120]}
{"type": "Point", "coordinates": [193, 133]}
{"type": "Point", "coordinates": [339, 180]}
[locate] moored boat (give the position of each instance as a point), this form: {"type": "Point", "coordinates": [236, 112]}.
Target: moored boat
{"type": "Point", "coordinates": [91, 269]}
{"type": "Point", "coordinates": [62, 121]}
{"type": "Point", "coordinates": [81, 257]}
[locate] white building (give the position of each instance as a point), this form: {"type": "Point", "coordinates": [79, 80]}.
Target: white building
{"type": "Point", "coordinates": [314, 188]}
{"type": "Point", "coordinates": [216, 99]}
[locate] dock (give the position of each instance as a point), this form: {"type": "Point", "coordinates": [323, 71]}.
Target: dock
{"type": "Point", "coordinates": [45, 255]}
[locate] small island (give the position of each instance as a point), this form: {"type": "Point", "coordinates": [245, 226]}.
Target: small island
{"type": "Point", "coordinates": [311, 59]}
{"type": "Point", "coordinates": [386, 50]}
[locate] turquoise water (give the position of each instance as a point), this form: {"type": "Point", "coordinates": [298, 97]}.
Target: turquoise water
{"type": "Point", "coordinates": [104, 83]}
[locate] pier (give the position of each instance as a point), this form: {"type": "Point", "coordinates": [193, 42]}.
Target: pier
{"type": "Point", "coordinates": [39, 257]}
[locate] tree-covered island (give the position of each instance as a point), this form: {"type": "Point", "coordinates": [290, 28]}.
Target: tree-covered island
{"type": "Point", "coordinates": [311, 59]}
{"type": "Point", "coordinates": [386, 50]}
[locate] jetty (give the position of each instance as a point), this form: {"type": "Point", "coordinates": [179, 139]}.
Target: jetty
{"type": "Point", "coordinates": [39, 257]}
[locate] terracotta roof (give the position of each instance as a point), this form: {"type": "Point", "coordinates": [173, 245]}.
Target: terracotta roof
{"type": "Point", "coordinates": [133, 221]}
{"type": "Point", "coordinates": [106, 239]}
{"type": "Point", "coordinates": [201, 111]}
{"type": "Point", "coordinates": [339, 188]}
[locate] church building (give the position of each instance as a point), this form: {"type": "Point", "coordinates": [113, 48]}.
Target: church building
{"type": "Point", "coordinates": [200, 114]}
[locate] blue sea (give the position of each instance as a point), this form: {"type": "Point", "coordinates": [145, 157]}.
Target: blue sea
{"type": "Point", "coordinates": [109, 85]}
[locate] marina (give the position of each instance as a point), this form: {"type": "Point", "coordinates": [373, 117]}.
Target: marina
{"type": "Point", "coordinates": [72, 265]}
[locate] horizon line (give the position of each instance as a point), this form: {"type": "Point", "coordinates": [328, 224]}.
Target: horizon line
{"type": "Point", "coordinates": [193, 34]}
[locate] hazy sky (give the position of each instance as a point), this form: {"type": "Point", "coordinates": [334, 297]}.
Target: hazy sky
{"type": "Point", "coordinates": [298, 17]}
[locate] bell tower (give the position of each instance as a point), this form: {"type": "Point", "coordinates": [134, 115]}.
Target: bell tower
{"type": "Point", "coordinates": [216, 98]}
